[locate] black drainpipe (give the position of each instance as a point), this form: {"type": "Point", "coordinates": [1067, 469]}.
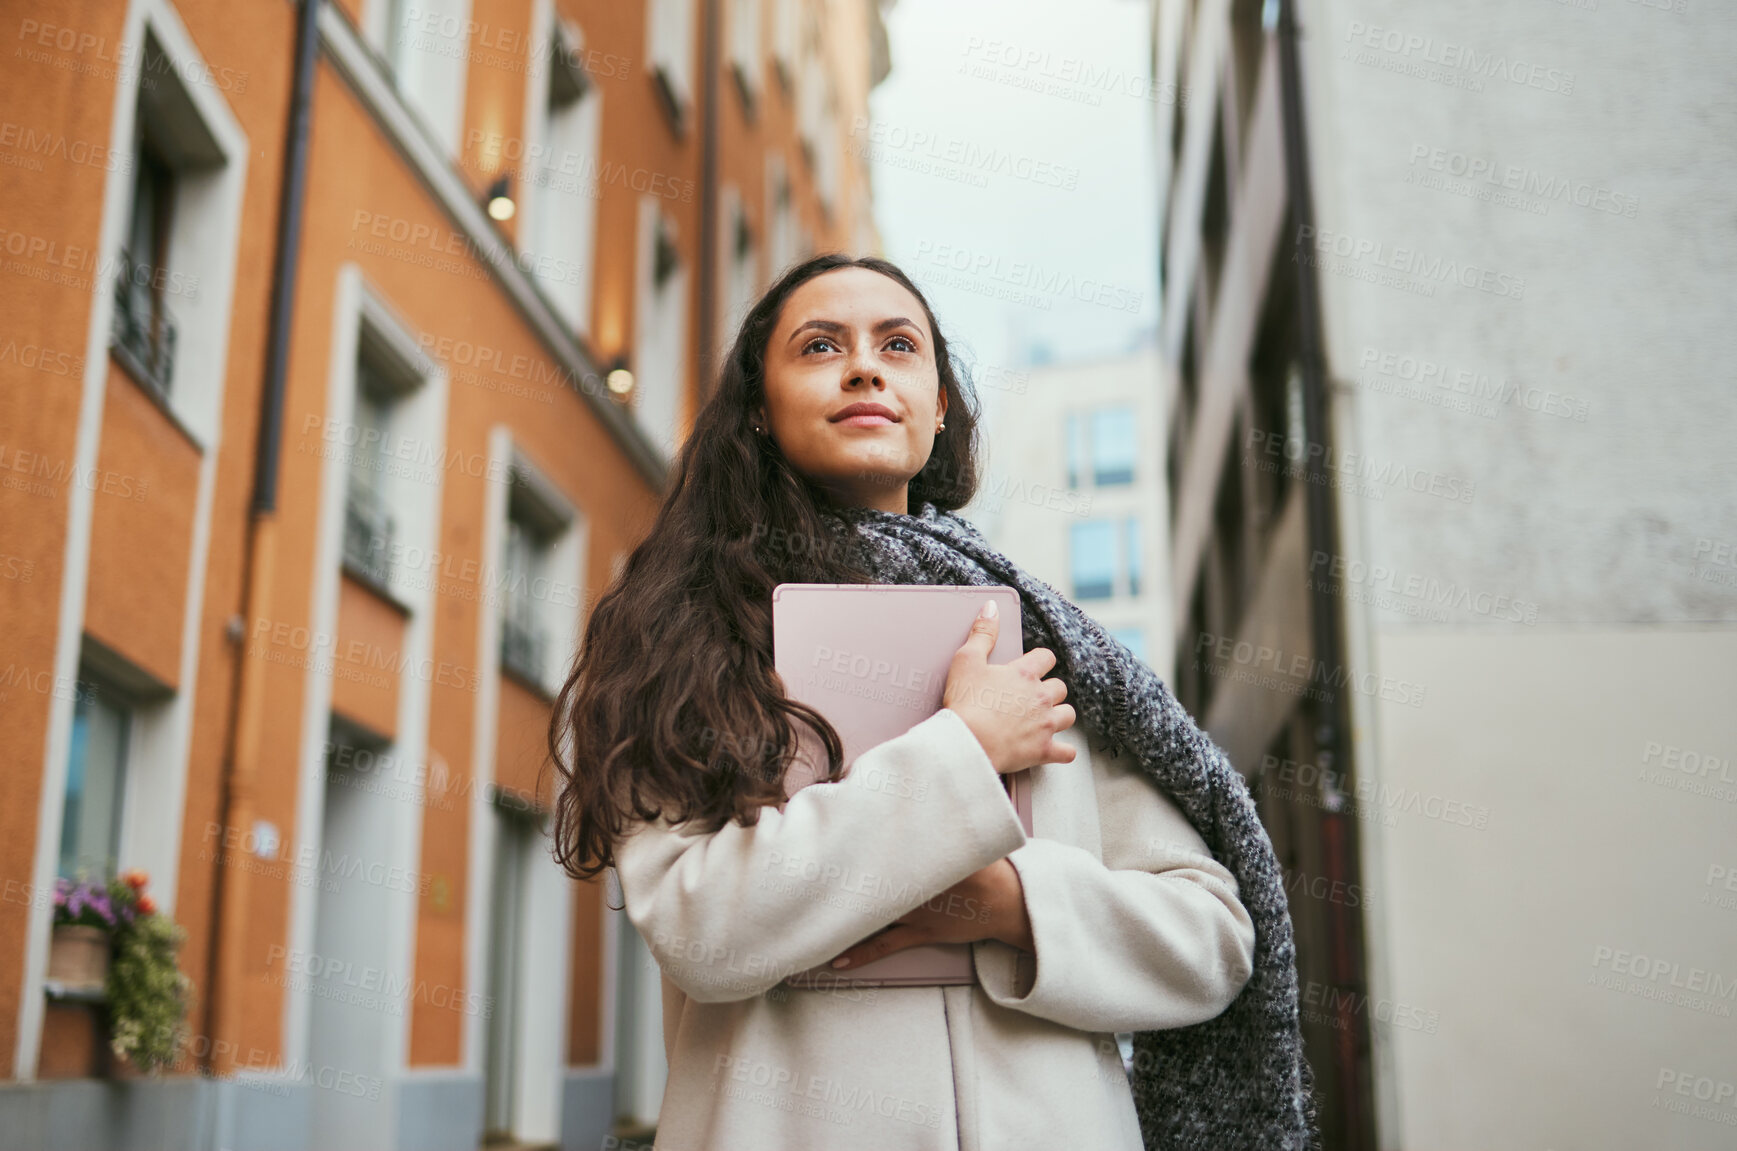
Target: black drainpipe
{"type": "Point", "coordinates": [292, 195]}
{"type": "Point", "coordinates": [706, 328]}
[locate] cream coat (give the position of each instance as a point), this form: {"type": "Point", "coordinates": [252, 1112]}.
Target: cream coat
{"type": "Point", "coordinates": [1135, 927]}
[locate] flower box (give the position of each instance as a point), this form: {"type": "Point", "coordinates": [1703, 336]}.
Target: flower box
{"type": "Point", "coordinates": [78, 956]}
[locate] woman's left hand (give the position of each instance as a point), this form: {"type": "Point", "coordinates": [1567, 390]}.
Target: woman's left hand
{"type": "Point", "coordinates": [987, 904]}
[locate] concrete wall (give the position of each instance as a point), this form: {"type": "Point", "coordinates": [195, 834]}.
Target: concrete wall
{"type": "Point", "coordinates": [1526, 279]}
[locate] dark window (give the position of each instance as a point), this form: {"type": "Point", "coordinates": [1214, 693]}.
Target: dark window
{"type": "Point", "coordinates": [1215, 217]}
{"type": "Point", "coordinates": [527, 575]}
{"type": "Point", "coordinates": [1274, 446]}
{"type": "Point", "coordinates": [369, 526]}
{"type": "Point", "coordinates": [144, 332]}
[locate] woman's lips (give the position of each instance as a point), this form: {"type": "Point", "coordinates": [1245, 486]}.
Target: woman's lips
{"type": "Point", "coordinates": [865, 420]}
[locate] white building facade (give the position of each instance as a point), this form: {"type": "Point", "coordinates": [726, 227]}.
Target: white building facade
{"type": "Point", "coordinates": [1455, 540]}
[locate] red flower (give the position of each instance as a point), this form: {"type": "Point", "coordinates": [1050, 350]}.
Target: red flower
{"type": "Point", "coordinates": [147, 905]}
{"type": "Point", "coordinates": [135, 879]}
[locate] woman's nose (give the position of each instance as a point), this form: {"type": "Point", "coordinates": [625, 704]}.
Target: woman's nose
{"type": "Point", "coordinates": [864, 366]}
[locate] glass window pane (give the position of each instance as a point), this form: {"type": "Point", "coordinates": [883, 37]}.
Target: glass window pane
{"type": "Point", "coordinates": [524, 627]}
{"type": "Point", "coordinates": [1131, 548]}
{"type": "Point", "coordinates": [1113, 446]}
{"type": "Point", "coordinates": [1076, 448]}
{"type": "Point", "coordinates": [1134, 637]}
{"type": "Point", "coordinates": [90, 828]}
{"type": "Point", "coordinates": [1094, 559]}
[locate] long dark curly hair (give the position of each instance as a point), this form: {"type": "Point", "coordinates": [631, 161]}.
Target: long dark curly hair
{"type": "Point", "coordinates": [672, 708]}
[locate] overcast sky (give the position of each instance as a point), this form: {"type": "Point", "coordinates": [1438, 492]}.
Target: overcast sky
{"type": "Point", "coordinates": [1012, 173]}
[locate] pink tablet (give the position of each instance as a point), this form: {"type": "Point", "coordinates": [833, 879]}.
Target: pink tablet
{"type": "Point", "coordinates": [873, 659]}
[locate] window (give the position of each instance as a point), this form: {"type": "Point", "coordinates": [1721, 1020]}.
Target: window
{"type": "Point", "coordinates": [527, 579]}
{"type": "Point", "coordinates": [816, 120]}
{"type": "Point", "coordinates": [660, 338]}
{"type": "Point", "coordinates": [536, 574]}
{"type": "Point", "coordinates": [425, 45]}
{"type": "Point", "coordinates": [1094, 559]}
{"type": "Point", "coordinates": [96, 769]}
{"type": "Point", "coordinates": [1135, 638]}
{"type": "Point", "coordinates": [670, 41]}
{"type": "Point", "coordinates": [736, 239]}
{"type": "Point", "coordinates": [1215, 216]}
{"type": "Point", "coordinates": [1113, 446]}
{"type": "Point", "coordinates": [1102, 551]}
{"type": "Point", "coordinates": [745, 48]}
{"type": "Point", "coordinates": [517, 839]}
{"type": "Point", "coordinates": [399, 33]}
{"type": "Point", "coordinates": [782, 244]}
{"type": "Point", "coordinates": [170, 220]}
{"type": "Point", "coordinates": [368, 521]}
{"type": "Point", "coordinates": [785, 39]}
{"type": "Point", "coordinates": [144, 331]}
{"type": "Point", "coordinates": [561, 194]}
{"type": "Point", "coordinates": [1077, 449]}
{"type": "Point", "coordinates": [1104, 436]}
{"type": "Point", "coordinates": [1227, 554]}
{"type": "Point", "coordinates": [1275, 392]}
{"type": "Point", "coordinates": [177, 185]}
{"type": "Point", "coordinates": [1131, 551]}
{"type": "Point", "coordinates": [1248, 34]}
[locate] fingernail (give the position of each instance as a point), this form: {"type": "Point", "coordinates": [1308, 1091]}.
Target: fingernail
{"type": "Point", "coordinates": [841, 961]}
{"type": "Point", "coordinates": [988, 610]}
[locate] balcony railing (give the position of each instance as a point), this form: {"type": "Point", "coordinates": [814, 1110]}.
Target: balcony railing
{"type": "Point", "coordinates": [142, 332]}
{"type": "Point", "coordinates": [368, 529]}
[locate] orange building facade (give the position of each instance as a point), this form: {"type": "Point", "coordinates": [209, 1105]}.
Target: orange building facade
{"type": "Point", "coordinates": [345, 350]}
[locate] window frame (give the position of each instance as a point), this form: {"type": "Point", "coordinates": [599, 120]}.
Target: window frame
{"type": "Point", "coordinates": [537, 513]}
{"type": "Point", "coordinates": [747, 60]}
{"type": "Point", "coordinates": [559, 213]}
{"type": "Point", "coordinates": [670, 51]}
{"type": "Point", "coordinates": [93, 690]}
{"type": "Point", "coordinates": [1111, 533]}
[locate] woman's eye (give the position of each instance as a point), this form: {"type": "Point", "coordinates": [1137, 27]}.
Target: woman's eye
{"type": "Point", "coordinates": [909, 344]}
{"type": "Point", "coordinates": [810, 346]}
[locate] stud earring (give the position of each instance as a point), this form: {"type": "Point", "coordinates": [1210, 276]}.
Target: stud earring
{"type": "Point", "coordinates": [940, 425]}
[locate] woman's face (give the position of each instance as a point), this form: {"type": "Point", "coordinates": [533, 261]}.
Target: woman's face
{"type": "Point", "coordinates": [847, 337]}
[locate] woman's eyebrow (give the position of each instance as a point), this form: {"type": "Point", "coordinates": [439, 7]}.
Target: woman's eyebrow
{"type": "Point", "coordinates": [833, 327]}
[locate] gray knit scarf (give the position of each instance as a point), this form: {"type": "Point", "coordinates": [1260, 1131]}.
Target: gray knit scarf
{"type": "Point", "coordinates": [1236, 1081]}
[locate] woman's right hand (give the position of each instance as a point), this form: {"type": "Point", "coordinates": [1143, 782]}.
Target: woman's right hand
{"type": "Point", "coordinates": [1012, 710]}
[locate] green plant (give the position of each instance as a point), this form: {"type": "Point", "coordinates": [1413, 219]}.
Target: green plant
{"type": "Point", "coordinates": [147, 994]}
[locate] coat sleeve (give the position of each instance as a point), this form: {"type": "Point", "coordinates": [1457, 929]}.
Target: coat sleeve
{"type": "Point", "coordinates": [730, 914]}
{"type": "Point", "coordinates": [1153, 935]}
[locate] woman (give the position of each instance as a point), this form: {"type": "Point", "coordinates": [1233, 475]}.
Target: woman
{"type": "Point", "coordinates": [836, 447]}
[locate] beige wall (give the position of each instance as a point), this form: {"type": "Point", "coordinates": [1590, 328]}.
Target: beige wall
{"type": "Point", "coordinates": [1539, 846]}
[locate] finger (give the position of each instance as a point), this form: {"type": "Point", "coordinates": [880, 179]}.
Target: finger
{"type": "Point", "coordinates": [1065, 710]}
{"type": "Point", "coordinates": [1060, 752]}
{"type": "Point", "coordinates": [984, 630]}
{"type": "Point", "coordinates": [1038, 661]}
{"type": "Point", "coordinates": [1054, 689]}
{"type": "Point", "coordinates": [895, 938]}
{"type": "Point", "coordinates": [853, 954]}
